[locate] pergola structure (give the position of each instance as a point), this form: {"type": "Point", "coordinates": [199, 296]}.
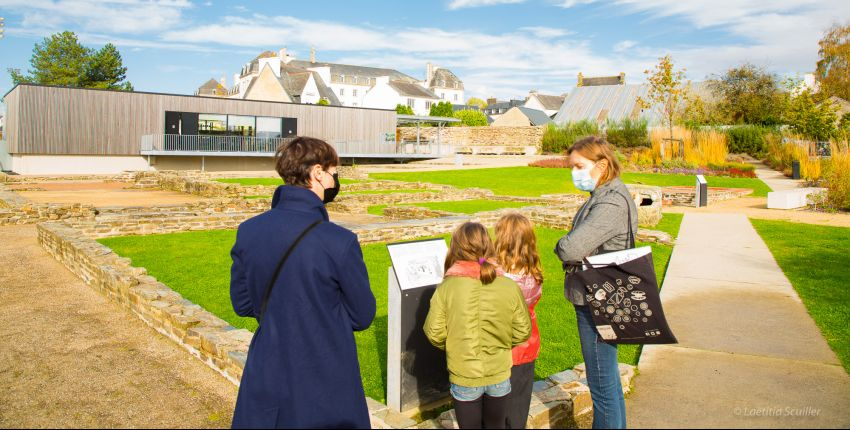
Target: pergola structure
{"type": "Point", "coordinates": [440, 121]}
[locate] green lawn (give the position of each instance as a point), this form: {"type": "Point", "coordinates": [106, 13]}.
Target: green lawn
{"type": "Point", "coordinates": [197, 265]}
{"type": "Point", "coordinates": [460, 206]}
{"type": "Point", "coordinates": [270, 181]}
{"type": "Point", "coordinates": [534, 181]}
{"type": "Point", "coordinates": [816, 261]}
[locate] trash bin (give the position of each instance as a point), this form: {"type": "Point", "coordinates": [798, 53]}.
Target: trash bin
{"type": "Point", "coordinates": [795, 169]}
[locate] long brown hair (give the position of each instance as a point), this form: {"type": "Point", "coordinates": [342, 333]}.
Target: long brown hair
{"type": "Point", "coordinates": [471, 242]}
{"type": "Point", "coordinates": [516, 246]}
{"type": "Point", "coordinates": [595, 148]}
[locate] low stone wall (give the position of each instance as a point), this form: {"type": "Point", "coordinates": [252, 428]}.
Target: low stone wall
{"type": "Point", "coordinates": [146, 224]}
{"type": "Point", "coordinates": [408, 229]}
{"type": "Point", "coordinates": [199, 185]}
{"type": "Point", "coordinates": [359, 203]}
{"type": "Point", "coordinates": [684, 196]}
{"type": "Point", "coordinates": [413, 212]}
{"type": "Point", "coordinates": [477, 140]}
{"type": "Point", "coordinates": [203, 334]}
{"type": "Point", "coordinates": [15, 209]}
{"type": "Point", "coordinates": [4, 178]}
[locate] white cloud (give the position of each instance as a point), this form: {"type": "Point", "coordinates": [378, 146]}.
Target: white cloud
{"type": "Point", "coordinates": [566, 4]}
{"type": "Point", "coordinates": [546, 32]}
{"type": "Point", "coordinates": [461, 4]}
{"type": "Point", "coordinates": [112, 16]}
{"type": "Point", "coordinates": [624, 45]}
{"type": "Point", "coordinates": [781, 35]}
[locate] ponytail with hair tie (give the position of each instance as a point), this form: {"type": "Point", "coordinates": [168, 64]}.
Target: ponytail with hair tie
{"type": "Point", "coordinates": [488, 271]}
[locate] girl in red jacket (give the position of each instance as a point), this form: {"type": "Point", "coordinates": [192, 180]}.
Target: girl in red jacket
{"type": "Point", "coordinates": [516, 247]}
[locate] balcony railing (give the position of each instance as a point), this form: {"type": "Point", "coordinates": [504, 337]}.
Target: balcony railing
{"type": "Point", "coordinates": [161, 144]}
{"type": "Point", "coordinates": [203, 143]}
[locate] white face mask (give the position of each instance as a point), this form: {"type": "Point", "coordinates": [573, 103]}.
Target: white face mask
{"type": "Point", "coordinates": [582, 178]}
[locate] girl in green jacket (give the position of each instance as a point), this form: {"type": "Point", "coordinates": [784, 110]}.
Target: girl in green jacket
{"type": "Point", "coordinates": [477, 315]}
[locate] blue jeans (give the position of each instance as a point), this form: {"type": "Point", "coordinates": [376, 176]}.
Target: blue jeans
{"type": "Point", "coordinates": [469, 394]}
{"type": "Point", "coordinates": [603, 374]}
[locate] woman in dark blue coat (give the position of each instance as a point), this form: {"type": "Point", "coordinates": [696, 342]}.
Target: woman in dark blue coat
{"type": "Point", "coordinates": [302, 369]}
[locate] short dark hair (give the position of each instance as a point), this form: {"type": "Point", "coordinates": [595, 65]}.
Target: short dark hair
{"type": "Point", "coordinates": [293, 160]}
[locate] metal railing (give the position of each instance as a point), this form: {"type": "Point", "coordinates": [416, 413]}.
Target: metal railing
{"type": "Point", "coordinates": [176, 143]}
{"type": "Point", "coordinates": [204, 143]}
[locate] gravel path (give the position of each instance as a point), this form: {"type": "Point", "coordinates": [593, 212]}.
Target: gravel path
{"type": "Point", "coordinates": [71, 358]}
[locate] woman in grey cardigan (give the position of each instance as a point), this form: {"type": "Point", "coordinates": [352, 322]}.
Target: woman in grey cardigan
{"type": "Point", "coordinates": [600, 226]}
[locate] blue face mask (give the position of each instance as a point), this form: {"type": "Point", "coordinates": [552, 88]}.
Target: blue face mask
{"type": "Point", "coordinates": [582, 179]}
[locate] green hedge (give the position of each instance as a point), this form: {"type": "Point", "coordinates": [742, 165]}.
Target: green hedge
{"type": "Point", "coordinates": [748, 139]}
{"type": "Point", "coordinates": [557, 139]}
{"type": "Point", "coordinates": [627, 132]}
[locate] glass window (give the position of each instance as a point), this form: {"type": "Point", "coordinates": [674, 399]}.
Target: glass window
{"type": "Point", "coordinates": [410, 102]}
{"type": "Point", "coordinates": [443, 96]}
{"type": "Point", "coordinates": [455, 97]}
{"type": "Point", "coordinates": [212, 124]}
{"type": "Point", "coordinates": [268, 127]}
{"type": "Point", "coordinates": [342, 91]}
{"type": "Point", "coordinates": [241, 125]}
{"type": "Point", "coordinates": [354, 92]}
{"type": "Point", "coordinates": [427, 105]}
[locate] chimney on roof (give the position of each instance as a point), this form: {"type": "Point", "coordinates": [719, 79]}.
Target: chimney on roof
{"type": "Point", "coordinates": [622, 78]}
{"type": "Point", "coordinates": [491, 101]}
{"type": "Point", "coordinates": [429, 72]}
{"type": "Point", "coordinates": [284, 56]}
{"type": "Point", "coordinates": [312, 54]}
{"type": "Point", "coordinates": [580, 79]}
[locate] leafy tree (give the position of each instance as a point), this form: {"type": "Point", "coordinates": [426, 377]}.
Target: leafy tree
{"type": "Point", "coordinates": [441, 109]}
{"type": "Point", "coordinates": [105, 70]}
{"type": "Point", "coordinates": [810, 119]}
{"type": "Point", "coordinates": [323, 102]}
{"type": "Point", "coordinates": [475, 101]}
{"type": "Point", "coordinates": [471, 118]}
{"type": "Point", "coordinates": [61, 60]}
{"type": "Point", "coordinates": [403, 109]}
{"type": "Point", "coordinates": [667, 88]}
{"type": "Point", "coordinates": [833, 70]}
{"type": "Point", "coordinates": [747, 95]}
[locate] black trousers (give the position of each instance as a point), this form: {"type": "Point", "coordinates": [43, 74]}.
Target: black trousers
{"type": "Point", "coordinates": [522, 383]}
{"type": "Point", "coordinates": [485, 413]}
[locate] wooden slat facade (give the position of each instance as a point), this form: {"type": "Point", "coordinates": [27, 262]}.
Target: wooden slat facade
{"type": "Point", "coordinates": [78, 121]}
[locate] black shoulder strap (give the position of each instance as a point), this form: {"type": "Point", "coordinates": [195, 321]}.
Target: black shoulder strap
{"type": "Point", "coordinates": [280, 266]}
{"type": "Point", "coordinates": [629, 221]}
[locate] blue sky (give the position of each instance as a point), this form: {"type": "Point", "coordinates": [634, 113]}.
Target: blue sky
{"type": "Point", "coordinates": [499, 48]}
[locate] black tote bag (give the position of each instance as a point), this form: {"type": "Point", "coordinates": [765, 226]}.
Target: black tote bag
{"type": "Point", "coordinates": [624, 299]}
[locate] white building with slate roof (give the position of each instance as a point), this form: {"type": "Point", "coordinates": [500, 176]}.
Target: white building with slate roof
{"type": "Point", "coordinates": [280, 77]}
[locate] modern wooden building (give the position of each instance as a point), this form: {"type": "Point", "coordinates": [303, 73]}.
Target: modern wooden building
{"type": "Point", "coordinates": [61, 130]}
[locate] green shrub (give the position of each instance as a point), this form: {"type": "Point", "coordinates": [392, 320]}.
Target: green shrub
{"type": "Point", "coordinates": [557, 139]}
{"type": "Point", "coordinates": [443, 109]}
{"type": "Point", "coordinates": [403, 109]}
{"type": "Point", "coordinates": [471, 118]}
{"type": "Point", "coordinates": [748, 139]}
{"type": "Point", "coordinates": [627, 132]}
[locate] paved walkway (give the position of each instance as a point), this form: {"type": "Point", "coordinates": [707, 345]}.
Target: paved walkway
{"type": "Point", "coordinates": [71, 358]}
{"type": "Point", "coordinates": [775, 179]}
{"type": "Point", "coordinates": [749, 353]}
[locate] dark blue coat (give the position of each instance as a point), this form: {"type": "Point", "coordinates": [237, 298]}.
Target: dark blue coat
{"type": "Point", "coordinates": [302, 369]}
